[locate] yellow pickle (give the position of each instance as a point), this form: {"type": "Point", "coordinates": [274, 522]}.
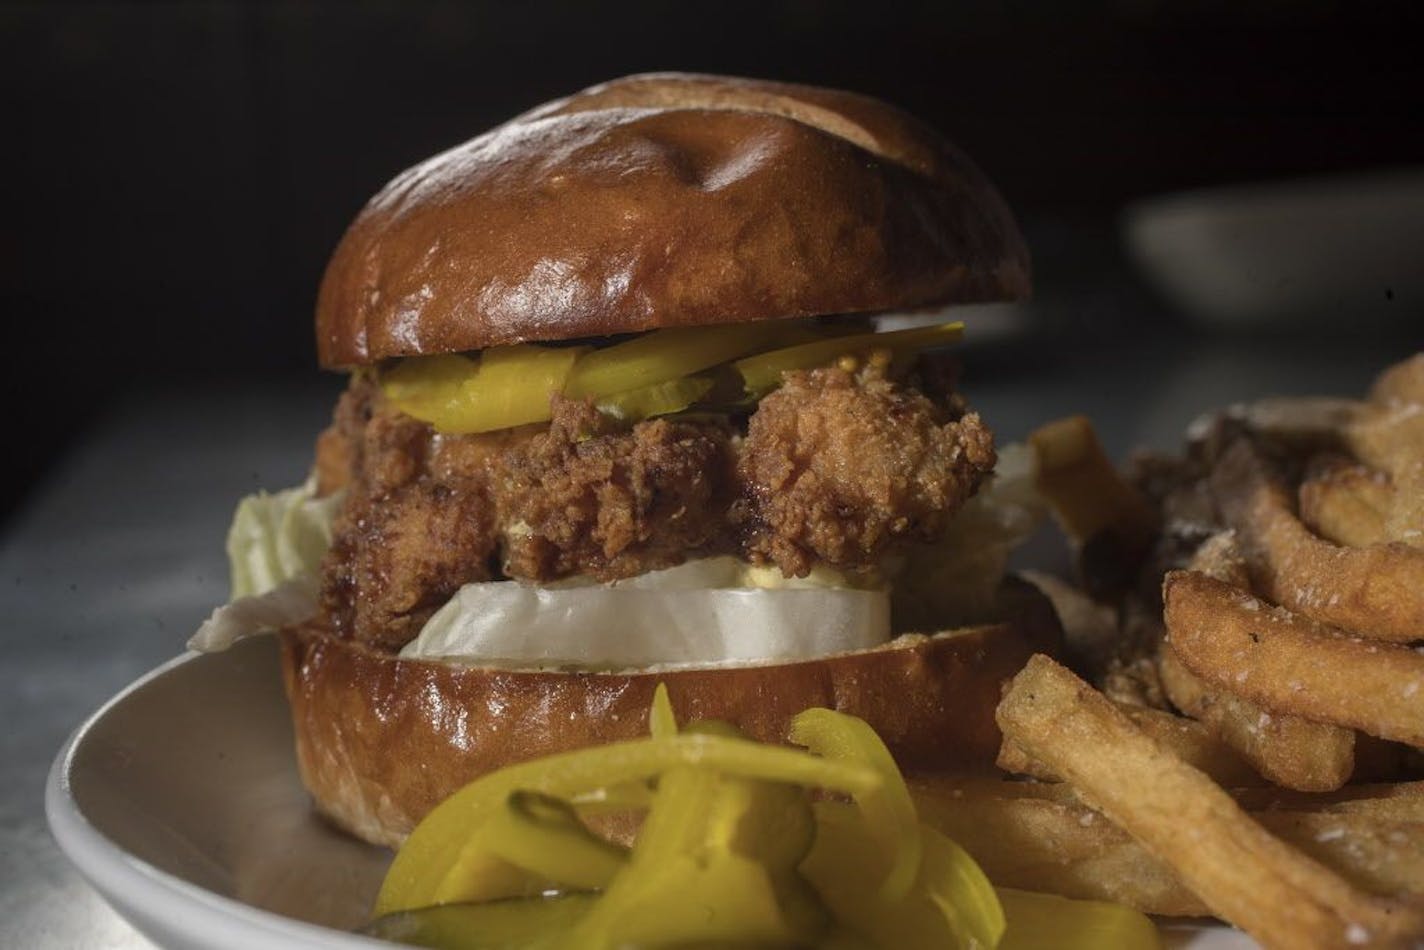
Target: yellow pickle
{"type": "Point", "coordinates": [739, 844]}
{"type": "Point", "coordinates": [654, 374]}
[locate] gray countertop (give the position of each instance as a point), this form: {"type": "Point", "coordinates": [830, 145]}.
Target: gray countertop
{"type": "Point", "coordinates": [117, 558]}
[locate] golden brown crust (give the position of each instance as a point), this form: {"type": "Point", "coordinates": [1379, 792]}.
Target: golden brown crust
{"type": "Point", "coordinates": [381, 740]}
{"type": "Point", "coordinates": [666, 200]}
{"type": "Point", "coordinates": [837, 468]}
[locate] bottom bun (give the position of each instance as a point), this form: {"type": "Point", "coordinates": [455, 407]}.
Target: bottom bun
{"type": "Point", "coordinates": [382, 740]}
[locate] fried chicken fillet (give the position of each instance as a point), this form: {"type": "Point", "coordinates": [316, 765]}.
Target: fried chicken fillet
{"type": "Point", "coordinates": [835, 467]}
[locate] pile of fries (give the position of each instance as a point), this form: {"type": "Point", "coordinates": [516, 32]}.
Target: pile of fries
{"type": "Point", "coordinates": [1252, 749]}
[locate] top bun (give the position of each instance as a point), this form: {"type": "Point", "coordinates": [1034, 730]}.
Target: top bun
{"type": "Point", "coordinates": [666, 200]}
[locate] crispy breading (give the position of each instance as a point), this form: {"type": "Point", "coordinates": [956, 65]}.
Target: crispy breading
{"type": "Point", "coordinates": [837, 466]}
{"type": "Point", "coordinates": [585, 497]}
{"type": "Point", "coordinates": [875, 462]}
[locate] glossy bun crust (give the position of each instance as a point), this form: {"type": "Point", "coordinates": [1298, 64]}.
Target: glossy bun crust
{"type": "Point", "coordinates": [381, 741]}
{"type": "Point", "coordinates": [666, 200]}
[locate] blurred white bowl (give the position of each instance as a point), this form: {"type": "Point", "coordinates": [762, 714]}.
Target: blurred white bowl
{"type": "Point", "coordinates": [1317, 250]}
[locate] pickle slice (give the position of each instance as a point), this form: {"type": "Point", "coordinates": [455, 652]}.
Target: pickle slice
{"type": "Point", "coordinates": [664, 355]}
{"type": "Point", "coordinates": [430, 388]}
{"type": "Point", "coordinates": [658, 399]}
{"type": "Point", "coordinates": [494, 925]}
{"type": "Point", "coordinates": [1047, 920]}
{"type": "Point", "coordinates": [433, 853]}
{"type": "Point", "coordinates": [507, 386]}
{"type": "Point", "coordinates": [762, 373]}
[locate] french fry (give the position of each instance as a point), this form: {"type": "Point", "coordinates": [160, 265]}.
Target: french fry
{"type": "Point", "coordinates": [1290, 664]}
{"type": "Point", "coordinates": [1109, 518]}
{"type": "Point", "coordinates": [1081, 483]}
{"type": "Point", "coordinates": [1377, 591]}
{"type": "Point", "coordinates": [1388, 437]}
{"type": "Point", "coordinates": [1401, 384]}
{"type": "Point", "coordinates": [1379, 760]}
{"type": "Point", "coordinates": [1219, 556]}
{"type": "Point", "coordinates": [1291, 423]}
{"type": "Point", "coordinates": [1345, 502]}
{"type": "Point", "coordinates": [1392, 438]}
{"type": "Point", "coordinates": [1387, 801]}
{"type": "Point", "coordinates": [1059, 847]}
{"type": "Point", "coordinates": [1290, 751]}
{"type": "Point", "coordinates": [1405, 521]}
{"type": "Point", "coordinates": [1189, 740]}
{"type": "Point", "coordinates": [1041, 837]}
{"type": "Point", "coordinates": [1238, 869]}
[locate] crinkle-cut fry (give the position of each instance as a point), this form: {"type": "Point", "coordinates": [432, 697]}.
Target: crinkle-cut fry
{"type": "Point", "coordinates": [1040, 837]}
{"type": "Point", "coordinates": [1291, 664]}
{"type": "Point", "coordinates": [1290, 751]}
{"type": "Point", "coordinates": [1377, 591]}
{"type": "Point", "coordinates": [1345, 502]}
{"type": "Point", "coordinates": [1189, 740]}
{"type": "Point", "coordinates": [1401, 383]}
{"type": "Point", "coordinates": [1239, 870]}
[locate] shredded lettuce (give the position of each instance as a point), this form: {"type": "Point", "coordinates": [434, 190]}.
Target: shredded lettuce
{"type": "Point", "coordinates": [290, 602]}
{"type": "Point", "coordinates": [277, 537]}
{"type": "Point", "coordinates": [274, 549]}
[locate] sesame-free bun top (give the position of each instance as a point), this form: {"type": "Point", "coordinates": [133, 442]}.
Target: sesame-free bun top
{"type": "Point", "coordinates": [666, 200]}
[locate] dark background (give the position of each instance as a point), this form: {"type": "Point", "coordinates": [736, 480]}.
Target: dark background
{"type": "Point", "coordinates": [176, 173]}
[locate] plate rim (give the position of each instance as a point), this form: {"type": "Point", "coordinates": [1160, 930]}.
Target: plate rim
{"type": "Point", "coordinates": [156, 903]}
{"type": "Point", "coordinates": [170, 910]}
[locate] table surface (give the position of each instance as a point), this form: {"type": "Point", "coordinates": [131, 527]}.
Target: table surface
{"type": "Point", "coordinates": [119, 556]}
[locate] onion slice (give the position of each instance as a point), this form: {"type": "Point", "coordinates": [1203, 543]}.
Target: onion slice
{"type": "Point", "coordinates": [509, 624]}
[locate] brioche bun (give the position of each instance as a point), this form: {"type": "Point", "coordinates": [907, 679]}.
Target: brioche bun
{"type": "Point", "coordinates": [382, 740]}
{"type": "Point", "coordinates": [666, 200]}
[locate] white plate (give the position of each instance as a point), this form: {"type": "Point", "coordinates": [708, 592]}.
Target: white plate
{"type": "Point", "coordinates": [180, 802]}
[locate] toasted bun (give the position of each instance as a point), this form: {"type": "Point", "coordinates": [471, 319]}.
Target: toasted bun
{"type": "Point", "coordinates": [666, 200]}
{"type": "Point", "coordinates": [381, 740]}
